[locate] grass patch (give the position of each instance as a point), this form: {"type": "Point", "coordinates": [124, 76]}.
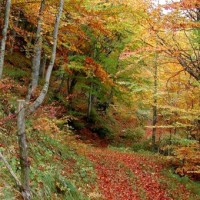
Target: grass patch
{"type": "Point", "coordinates": [14, 72]}
{"type": "Point", "coordinates": [176, 186]}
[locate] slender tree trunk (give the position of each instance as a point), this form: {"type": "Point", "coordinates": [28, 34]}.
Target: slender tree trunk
{"type": "Point", "coordinates": [14, 33]}
{"type": "Point", "coordinates": [110, 98]}
{"type": "Point", "coordinates": [68, 85]}
{"type": "Point", "coordinates": [43, 66]}
{"type": "Point", "coordinates": [90, 102]}
{"type": "Point", "coordinates": [23, 151]}
{"type": "Point", "coordinates": [4, 34]}
{"type": "Point", "coordinates": [37, 54]}
{"type": "Point", "coordinates": [170, 143]}
{"type": "Point", "coordinates": [44, 91]}
{"type": "Point", "coordinates": [70, 89]}
{"type": "Point", "coordinates": [155, 101]}
{"type": "Point", "coordinates": [61, 83]}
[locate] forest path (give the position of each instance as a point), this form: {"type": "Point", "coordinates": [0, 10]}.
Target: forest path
{"type": "Point", "coordinates": [129, 176]}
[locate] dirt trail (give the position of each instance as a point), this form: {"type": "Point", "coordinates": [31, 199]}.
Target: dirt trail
{"type": "Point", "coordinates": [127, 176]}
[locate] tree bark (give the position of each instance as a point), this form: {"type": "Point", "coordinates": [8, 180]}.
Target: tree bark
{"type": "Point", "coordinates": [44, 91]}
{"type": "Point", "coordinates": [155, 101]}
{"type": "Point", "coordinates": [61, 83]}
{"type": "Point", "coordinates": [4, 34]}
{"type": "Point", "coordinates": [37, 54]}
{"type": "Point", "coordinates": [23, 151]}
{"type": "Point", "coordinates": [90, 102]}
{"type": "Point", "coordinates": [110, 98]}
{"type": "Point", "coordinates": [43, 66]}
{"type": "Point", "coordinates": [14, 33]}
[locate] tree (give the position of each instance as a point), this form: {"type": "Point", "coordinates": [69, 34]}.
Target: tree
{"type": "Point", "coordinates": [44, 91]}
{"type": "Point", "coordinates": [36, 53]}
{"type": "Point", "coordinates": [4, 35]}
{"type": "Point", "coordinates": [24, 186]}
{"type": "Point", "coordinates": [182, 41]}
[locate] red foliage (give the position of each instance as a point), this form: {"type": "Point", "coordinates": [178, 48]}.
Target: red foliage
{"type": "Point", "coordinates": [114, 179]}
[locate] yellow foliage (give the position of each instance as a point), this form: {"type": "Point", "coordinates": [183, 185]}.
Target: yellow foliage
{"type": "Point", "coordinates": [46, 125]}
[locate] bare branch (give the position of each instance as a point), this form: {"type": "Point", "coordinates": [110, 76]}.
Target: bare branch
{"type": "Point", "coordinates": [10, 170]}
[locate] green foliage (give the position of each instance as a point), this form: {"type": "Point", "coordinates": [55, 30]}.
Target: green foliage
{"type": "Point", "coordinates": [1, 110]}
{"type": "Point", "coordinates": [76, 113]}
{"type": "Point", "coordinates": [76, 124]}
{"type": "Point", "coordinates": [144, 145]}
{"type": "Point", "coordinates": [168, 144]}
{"type": "Point", "coordinates": [68, 190]}
{"type": "Point", "coordinates": [46, 171]}
{"type": "Point", "coordinates": [102, 132]}
{"type": "Point", "coordinates": [61, 99]}
{"type": "Point", "coordinates": [95, 118]}
{"type": "Point", "coordinates": [18, 60]}
{"type": "Point", "coordinates": [14, 72]}
{"type": "Point", "coordinates": [100, 126]}
{"type": "Point", "coordinates": [173, 180]}
{"type": "Point", "coordinates": [134, 134]}
{"type": "Point", "coordinates": [177, 140]}
{"type": "Point", "coordinates": [7, 193]}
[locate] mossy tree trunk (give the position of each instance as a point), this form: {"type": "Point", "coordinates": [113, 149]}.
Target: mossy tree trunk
{"type": "Point", "coordinates": [23, 151]}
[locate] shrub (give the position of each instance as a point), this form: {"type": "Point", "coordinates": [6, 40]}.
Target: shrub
{"type": "Point", "coordinates": [168, 145]}
{"type": "Point", "coordinates": [15, 73]}
{"type": "Point", "coordinates": [134, 135]}
{"type": "Point", "coordinates": [143, 145]}
{"type": "Point", "coordinates": [76, 125]}
{"type": "Point", "coordinates": [102, 132]}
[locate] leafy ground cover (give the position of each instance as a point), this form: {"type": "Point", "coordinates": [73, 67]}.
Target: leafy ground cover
{"type": "Point", "coordinates": [132, 176]}
{"type": "Point", "coordinates": [65, 166]}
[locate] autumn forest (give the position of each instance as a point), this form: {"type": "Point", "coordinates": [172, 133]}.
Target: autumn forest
{"type": "Point", "coordinates": [100, 99]}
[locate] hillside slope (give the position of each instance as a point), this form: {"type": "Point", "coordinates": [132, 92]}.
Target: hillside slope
{"type": "Point", "coordinates": [78, 164]}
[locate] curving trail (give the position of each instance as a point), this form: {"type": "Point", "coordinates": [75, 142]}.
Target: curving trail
{"type": "Point", "coordinates": [125, 176]}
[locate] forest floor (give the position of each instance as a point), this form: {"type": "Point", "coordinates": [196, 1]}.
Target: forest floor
{"type": "Point", "coordinates": [98, 172]}
{"type": "Point", "coordinates": [133, 176]}
{"type": "Point", "coordinates": [121, 174]}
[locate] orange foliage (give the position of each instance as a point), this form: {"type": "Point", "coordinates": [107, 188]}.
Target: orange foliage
{"type": "Point", "coordinates": [184, 4]}
{"type": "Point", "coordinates": [190, 159]}
{"type": "Point", "coordinates": [97, 70]}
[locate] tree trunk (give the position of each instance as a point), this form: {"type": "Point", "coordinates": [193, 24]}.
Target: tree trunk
{"type": "Point", "coordinates": [90, 102]}
{"type": "Point", "coordinates": [61, 83]}
{"type": "Point", "coordinates": [36, 54]}
{"type": "Point", "coordinates": [110, 98]}
{"type": "Point", "coordinates": [14, 33]}
{"type": "Point", "coordinates": [71, 82]}
{"type": "Point", "coordinates": [154, 122]}
{"type": "Point", "coordinates": [4, 34]}
{"type": "Point", "coordinates": [23, 151]}
{"type": "Point", "coordinates": [44, 91]}
{"type": "Point", "coordinates": [43, 66]}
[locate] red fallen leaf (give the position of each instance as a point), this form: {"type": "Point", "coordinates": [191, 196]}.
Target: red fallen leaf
{"type": "Point", "coordinates": [115, 183]}
{"type": "Point", "coordinates": [2, 145]}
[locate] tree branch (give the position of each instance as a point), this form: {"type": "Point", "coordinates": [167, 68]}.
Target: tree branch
{"type": "Point", "coordinates": [10, 170]}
